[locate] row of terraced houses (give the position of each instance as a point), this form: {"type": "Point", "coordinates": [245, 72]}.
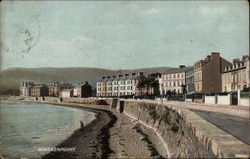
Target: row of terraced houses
{"type": "Point", "coordinates": [56, 89]}
{"type": "Point", "coordinates": [213, 74]}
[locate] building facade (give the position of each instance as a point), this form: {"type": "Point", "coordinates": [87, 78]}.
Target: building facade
{"type": "Point", "coordinates": [39, 90]}
{"type": "Point", "coordinates": [55, 88]}
{"type": "Point", "coordinates": [83, 90]}
{"type": "Point", "coordinates": [173, 80]}
{"type": "Point", "coordinates": [207, 74]}
{"type": "Point", "coordinates": [25, 88]}
{"type": "Point", "coordinates": [236, 76]}
{"type": "Point", "coordinates": [190, 80]}
{"type": "Point", "coordinates": [118, 85]}
{"type": "Point", "coordinates": [66, 93]}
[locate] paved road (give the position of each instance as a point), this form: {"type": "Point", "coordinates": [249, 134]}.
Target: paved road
{"type": "Point", "coordinates": [236, 126]}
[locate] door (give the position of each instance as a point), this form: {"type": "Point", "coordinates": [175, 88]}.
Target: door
{"type": "Point", "coordinates": [234, 98]}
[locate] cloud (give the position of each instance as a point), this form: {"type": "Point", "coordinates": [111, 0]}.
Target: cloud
{"type": "Point", "coordinates": [212, 10]}
{"type": "Point", "coordinates": [151, 11]}
{"type": "Point", "coordinates": [81, 40]}
{"type": "Point", "coordinates": [111, 26]}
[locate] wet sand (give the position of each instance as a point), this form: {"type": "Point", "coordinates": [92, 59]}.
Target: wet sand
{"type": "Point", "coordinates": [111, 135]}
{"type": "Point", "coordinates": [92, 142]}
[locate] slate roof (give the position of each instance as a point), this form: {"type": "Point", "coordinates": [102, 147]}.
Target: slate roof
{"type": "Point", "coordinates": [177, 70]}
{"type": "Point", "coordinates": [119, 78]}
{"type": "Point", "coordinates": [66, 90]}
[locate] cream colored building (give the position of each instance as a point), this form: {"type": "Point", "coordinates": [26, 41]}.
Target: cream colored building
{"type": "Point", "coordinates": [226, 82]}
{"type": "Point", "coordinates": [236, 76]}
{"type": "Point", "coordinates": [173, 80]}
{"type": "Point", "coordinates": [102, 87]}
{"type": "Point", "coordinates": [118, 85]}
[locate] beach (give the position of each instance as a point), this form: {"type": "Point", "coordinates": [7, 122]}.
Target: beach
{"type": "Point", "coordinates": [110, 135]}
{"type": "Point", "coordinates": [92, 142]}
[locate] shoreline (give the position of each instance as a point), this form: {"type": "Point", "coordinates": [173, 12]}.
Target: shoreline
{"type": "Point", "coordinates": [109, 135]}
{"type": "Point", "coordinates": [92, 142]}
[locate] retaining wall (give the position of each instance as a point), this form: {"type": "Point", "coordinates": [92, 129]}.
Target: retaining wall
{"type": "Point", "coordinates": [185, 134]}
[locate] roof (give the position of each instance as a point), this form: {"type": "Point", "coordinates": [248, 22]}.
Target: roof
{"type": "Point", "coordinates": [66, 90]}
{"type": "Point", "coordinates": [119, 79]}
{"type": "Point", "coordinates": [177, 70]}
{"type": "Point", "coordinates": [38, 86]}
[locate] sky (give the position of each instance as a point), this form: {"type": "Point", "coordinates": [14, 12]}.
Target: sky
{"type": "Point", "coordinates": [121, 34]}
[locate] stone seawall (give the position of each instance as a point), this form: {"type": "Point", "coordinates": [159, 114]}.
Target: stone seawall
{"type": "Point", "coordinates": [65, 100]}
{"type": "Point", "coordinates": [185, 134]}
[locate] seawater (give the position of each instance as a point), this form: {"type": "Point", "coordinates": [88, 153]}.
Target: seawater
{"type": "Point", "coordinates": [26, 127]}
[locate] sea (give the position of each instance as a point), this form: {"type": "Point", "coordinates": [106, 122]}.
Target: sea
{"type": "Point", "coordinates": [30, 129]}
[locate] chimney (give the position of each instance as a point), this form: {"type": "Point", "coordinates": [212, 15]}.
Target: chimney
{"type": "Point", "coordinates": [215, 54]}
{"type": "Point", "coordinates": [245, 58]}
{"type": "Point", "coordinates": [209, 57]}
{"type": "Point", "coordinates": [140, 73]}
{"type": "Point", "coordinates": [86, 82]}
{"type": "Point", "coordinates": [181, 66]}
{"type": "Point", "coordinates": [133, 74]}
{"type": "Point", "coordinates": [236, 61]}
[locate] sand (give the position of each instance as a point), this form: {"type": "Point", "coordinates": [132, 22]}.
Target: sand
{"type": "Point", "coordinates": [110, 135]}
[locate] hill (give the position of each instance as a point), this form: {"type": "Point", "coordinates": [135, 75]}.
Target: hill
{"type": "Point", "coordinates": [10, 79]}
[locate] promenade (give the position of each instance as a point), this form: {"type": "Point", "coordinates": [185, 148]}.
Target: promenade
{"type": "Point", "coordinates": [232, 119]}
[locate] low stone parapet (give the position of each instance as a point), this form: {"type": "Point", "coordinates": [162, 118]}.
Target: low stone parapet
{"type": "Point", "coordinates": [185, 134]}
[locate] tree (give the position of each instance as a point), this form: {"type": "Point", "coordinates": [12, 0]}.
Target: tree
{"type": "Point", "coordinates": [150, 82]}
{"type": "Point", "coordinates": [153, 83]}
{"type": "Point", "coordinates": [142, 80]}
{"type": "Point", "coordinates": [184, 90]}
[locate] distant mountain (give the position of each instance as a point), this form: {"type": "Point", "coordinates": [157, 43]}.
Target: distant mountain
{"type": "Point", "coordinates": [11, 78]}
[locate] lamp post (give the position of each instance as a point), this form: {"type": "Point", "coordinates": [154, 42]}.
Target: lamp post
{"type": "Point", "coordinates": [162, 93]}
{"type": "Point", "coordinates": [118, 72]}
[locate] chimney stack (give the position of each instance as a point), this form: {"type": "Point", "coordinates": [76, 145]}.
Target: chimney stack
{"type": "Point", "coordinates": [236, 61]}
{"type": "Point", "coordinates": [133, 74]}
{"type": "Point", "coordinates": [214, 55]}
{"type": "Point", "coordinates": [209, 57]}
{"type": "Point", "coordinates": [140, 74]}
{"type": "Point", "coordinates": [181, 66]}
